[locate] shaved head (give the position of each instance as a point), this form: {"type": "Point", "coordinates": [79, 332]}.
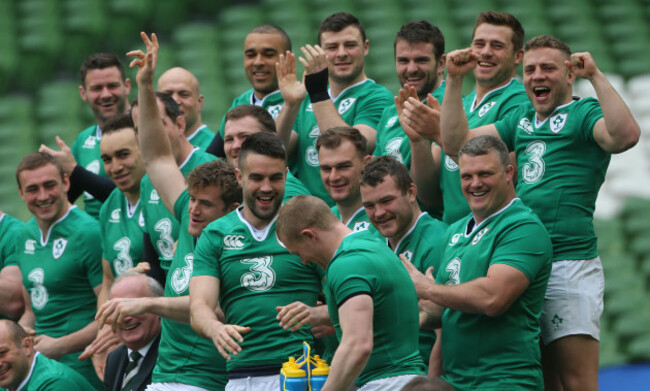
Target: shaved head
{"type": "Point", "coordinates": [183, 86]}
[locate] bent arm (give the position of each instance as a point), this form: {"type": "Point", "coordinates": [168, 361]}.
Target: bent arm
{"type": "Point", "coordinates": [11, 292]}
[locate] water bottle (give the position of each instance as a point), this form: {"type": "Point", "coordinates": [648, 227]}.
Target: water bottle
{"type": "Point", "coordinates": [292, 377]}
{"type": "Point", "coordinates": [319, 373]}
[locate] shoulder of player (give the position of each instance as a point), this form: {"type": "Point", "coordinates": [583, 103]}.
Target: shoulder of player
{"type": "Point", "coordinates": [111, 201]}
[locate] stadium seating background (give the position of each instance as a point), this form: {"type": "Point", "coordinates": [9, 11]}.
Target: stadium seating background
{"type": "Point", "coordinates": [43, 43]}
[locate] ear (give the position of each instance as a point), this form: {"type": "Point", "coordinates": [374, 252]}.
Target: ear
{"type": "Point", "coordinates": [180, 122]}
{"type": "Point", "coordinates": [28, 345]}
{"type": "Point", "coordinates": [233, 206]}
{"type": "Point", "coordinates": [366, 46]}
{"type": "Point", "coordinates": [200, 102]}
{"type": "Point", "coordinates": [412, 192]}
{"type": "Point", "coordinates": [366, 159]}
{"type": "Point", "coordinates": [127, 87]}
{"type": "Point", "coordinates": [238, 175]}
{"type": "Point", "coordinates": [441, 64]}
{"type": "Point", "coordinates": [66, 183]}
{"type": "Point", "coordinates": [82, 93]}
{"type": "Point", "coordinates": [510, 172]}
{"type": "Point", "coordinates": [308, 234]}
{"type": "Point", "coordinates": [519, 56]}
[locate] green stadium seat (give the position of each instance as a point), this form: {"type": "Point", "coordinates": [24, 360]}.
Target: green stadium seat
{"type": "Point", "coordinates": [639, 348]}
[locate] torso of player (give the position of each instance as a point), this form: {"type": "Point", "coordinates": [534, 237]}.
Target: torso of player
{"type": "Point", "coordinates": [86, 152]}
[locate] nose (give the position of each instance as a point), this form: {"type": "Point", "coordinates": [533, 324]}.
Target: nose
{"type": "Point", "coordinates": [340, 51]}
{"type": "Point", "coordinates": [266, 185]}
{"type": "Point", "coordinates": [334, 174]}
{"type": "Point", "coordinates": [176, 97]}
{"type": "Point", "coordinates": [411, 67]}
{"type": "Point", "coordinates": [105, 92]}
{"type": "Point", "coordinates": [258, 59]}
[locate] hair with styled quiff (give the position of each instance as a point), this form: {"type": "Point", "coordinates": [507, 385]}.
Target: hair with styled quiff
{"type": "Point", "coordinates": [216, 173]}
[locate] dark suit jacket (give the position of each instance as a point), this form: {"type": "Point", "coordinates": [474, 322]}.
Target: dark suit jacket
{"type": "Point", "coordinates": [116, 365]}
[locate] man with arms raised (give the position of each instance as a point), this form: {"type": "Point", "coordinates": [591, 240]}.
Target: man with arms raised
{"type": "Point", "coordinates": [563, 146]}
{"type": "Point", "coordinates": [350, 100]}
{"type": "Point", "coordinates": [390, 201]}
{"type": "Point", "coordinates": [60, 259]}
{"type": "Point", "coordinates": [370, 299]}
{"type": "Point", "coordinates": [491, 278]}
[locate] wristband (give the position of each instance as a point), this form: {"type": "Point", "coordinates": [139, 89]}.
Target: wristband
{"type": "Point", "coordinates": [316, 85]}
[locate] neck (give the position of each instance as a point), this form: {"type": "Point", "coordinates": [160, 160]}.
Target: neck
{"type": "Point", "coordinates": [261, 95]}
{"type": "Point", "coordinates": [347, 209]}
{"type": "Point", "coordinates": [133, 196]}
{"type": "Point", "coordinates": [482, 90]}
{"type": "Point", "coordinates": [191, 129]}
{"type": "Point", "coordinates": [45, 225]}
{"type": "Point", "coordinates": [438, 83]}
{"type": "Point", "coordinates": [394, 240]}
{"type": "Point", "coordinates": [337, 87]}
{"type": "Point", "coordinates": [184, 150]}
{"type": "Point", "coordinates": [254, 220]}
{"type": "Point", "coordinates": [333, 238]}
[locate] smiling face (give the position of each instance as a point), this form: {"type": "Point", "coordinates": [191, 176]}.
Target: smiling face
{"type": "Point", "coordinates": [346, 52]}
{"type": "Point", "coordinates": [262, 179]}
{"type": "Point", "coordinates": [206, 205]}
{"type": "Point", "coordinates": [390, 210]}
{"type": "Point", "coordinates": [340, 171]}
{"type": "Point", "coordinates": [122, 161]}
{"type": "Point", "coordinates": [184, 89]}
{"type": "Point", "coordinates": [235, 132]}
{"type": "Point", "coordinates": [547, 80]}
{"type": "Point", "coordinates": [44, 192]}
{"type": "Point", "coordinates": [15, 359]}
{"type": "Point", "coordinates": [486, 185]}
{"type": "Point", "coordinates": [137, 331]}
{"type": "Point", "coordinates": [261, 52]}
{"type": "Point", "coordinates": [416, 66]}
{"type": "Point", "coordinates": [105, 92]}
{"type": "Point", "coordinates": [497, 59]}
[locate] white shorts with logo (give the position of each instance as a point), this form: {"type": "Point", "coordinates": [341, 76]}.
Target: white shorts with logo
{"type": "Point", "coordinates": [172, 387]}
{"type": "Point", "coordinates": [574, 300]}
{"type": "Point", "coordinates": [393, 383]}
{"type": "Point", "coordinates": [254, 383]}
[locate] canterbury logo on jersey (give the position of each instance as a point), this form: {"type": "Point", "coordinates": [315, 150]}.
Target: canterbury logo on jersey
{"type": "Point", "coordinates": [525, 125]}
{"type": "Point", "coordinates": [90, 142]}
{"type": "Point", "coordinates": [479, 236]}
{"type": "Point", "coordinates": [233, 242]}
{"type": "Point", "coordinates": [154, 198]}
{"type": "Point", "coordinates": [485, 108]}
{"type": "Point", "coordinates": [30, 246]}
{"type": "Point", "coordinates": [115, 216]}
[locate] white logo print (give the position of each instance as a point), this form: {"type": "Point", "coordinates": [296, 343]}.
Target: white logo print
{"type": "Point", "coordinates": [479, 235]}
{"type": "Point", "coordinates": [233, 242]}
{"type": "Point", "coordinates": [90, 142]}
{"type": "Point", "coordinates": [345, 105]}
{"type": "Point", "coordinates": [525, 125]}
{"type": "Point", "coordinates": [93, 167]}
{"type": "Point", "coordinates": [30, 246]}
{"type": "Point", "coordinates": [58, 247]}
{"type": "Point", "coordinates": [450, 164]}
{"type": "Point", "coordinates": [453, 267]}
{"type": "Point", "coordinates": [361, 226]}
{"type": "Point", "coordinates": [261, 277]}
{"type": "Point", "coordinates": [154, 198]}
{"type": "Point", "coordinates": [392, 149]}
{"type": "Point", "coordinates": [408, 255]}
{"type": "Point", "coordinates": [557, 122]}
{"type": "Point", "coordinates": [182, 275]}
{"type": "Point", "coordinates": [37, 293]}
{"type": "Point", "coordinates": [485, 108]}
{"type": "Point", "coordinates": [311, 156]}
{"type": "Point", "coordinates": [391, 122]}
{"type": "Point", "coordinates": [454, 239]}
{"type": "Point", "coordinates": [115, 216]}
{"type": "Point", "coordinates": [274, 110]}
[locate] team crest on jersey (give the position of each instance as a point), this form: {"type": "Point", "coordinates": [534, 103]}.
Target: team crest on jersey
{"type": "Point", "coordinates": [557, 122]}
{"type": "Point", "coordinates": [274, 110]}
{"type": "Point", "coordinates": [58, 247]}
{"type": "Point", "coordinates": [311, 156]}
{"type": "Point", "coordinates": [525, 125]}
{"type": "Point", "coordinates": [115, 216]}
{"type": "Point", "coordinates": [90, 142]}
{"type": "Point", "coordinates": [346, 104]}
{"type": "Point", "coordinates": [392, 149]}
{"type": "Point", "coordinates": [479, 236]}
{"type": "Point", "coordinates": [154, 197]}
{"type": "Point", "coordinates": [309, 108]}
{"type": "Point", "coordinates": [181, 276]}
{"type": "Point", "coordinates": [485, 108]}
{"type": "Point", "coordinates": [360, 226]}
{"type": "Point", "coordinates": [408, 254]}
{"type": "Point", "coordinates": [30, 246]}
{"type": "Point", "coordinates": [450, 164]}
{"type": "Point", "coordinates": [93, 167]}
{"type": "Point", "coordinates": [391, 122]}
{"type": "Point", "coordinates": [455, 239]}
{"type": "Point", "coordinates": [233, 242]}
{"type": "Point", "coordinates": [261, 276]}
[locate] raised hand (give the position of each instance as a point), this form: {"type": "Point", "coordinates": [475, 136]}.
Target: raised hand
{"type": "Point", "coordinates": [146, 62]}
{"type": "Point", "coordinates": [461, 62]}
{"type": "Point", "coordinates": [582, 65]}
{"type": "Point", "coordinates": [64, 156]}
{"type": "Point", "coordinates": [291, 89]}
{"type": "Point", "coordinates": [314, 59]}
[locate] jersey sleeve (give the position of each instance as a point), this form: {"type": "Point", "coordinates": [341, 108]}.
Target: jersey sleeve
{"type": "Point", "coordinates": [506, 128]}
{"type": "Point", "coordinates": [381, 125]}
{"type": "Point", "coordinates": [345, 282]}
{"type": "Point", "coordinates": [93, 258]}
{"type": "Point", "coordinates": [372, 107]}
{"type": "Point", "coordinates": [207, 254]}
{"type": "Point", "coordinates": [526, 247]}
{"type": "Point", "coordinates": [591, 112]}
{"type": "Point", "coordinates": [512, 103]}
{"type": "Point", "coordinates": [180, 207]}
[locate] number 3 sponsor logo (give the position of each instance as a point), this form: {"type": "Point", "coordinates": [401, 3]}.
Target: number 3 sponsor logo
{"type": "Point", "coordinates": [261, 277]}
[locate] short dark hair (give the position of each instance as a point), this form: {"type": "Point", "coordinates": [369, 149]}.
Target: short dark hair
{"type": "Point", "coordinates": [547, 41]}
{"type": "Point", "coordinates": [273, 29]}
{"type": "Point", "coordinates": [260, 114]}
{"type": "Point", "coordinates": [502, 19]}
{"type": "Point", "coordinates": [333, 137]}
{"type": "Point", "coordinates": [339, 21]}
{"type": "Point", "coordinates": [422, 31]}
{"type": "Point", "coordinates": [100, 61]}
{"type": "Point", "coordinates": [172, 109]}
{"type": "Point", "coordinates": [218, 173]}
{"type": "Point", "coordinates": [35, 160]}
{"type": "Point", "coordinates": [482, 145]}
{"type": "Point", "coordinates": [262, 143]}
{"type": "Point", "coordinates": [117, 122]}
{"type": "Point", "coordinates": [381, 166]}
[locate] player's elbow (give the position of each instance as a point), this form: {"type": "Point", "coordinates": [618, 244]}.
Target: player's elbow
{"type": "Point", "coordinates": [14, 308]}
{"type": "Point", "coordinates": [631, 138]}
{"type": "Point", "coordinates": [362, 346]}
{"type": "Point", "coordinates": [495, 306]}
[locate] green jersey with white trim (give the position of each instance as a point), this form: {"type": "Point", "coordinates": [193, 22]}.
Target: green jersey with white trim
{"type": "Point", "coordinates": [9, 227]}
{"type": "Point", "coordinates": [293, 187]}
{"type": "Point", "coordinates": [364, 265]}
{"type": "Point", "coordinates": [161, 226]}
{"type": "Point", "coordinates": [256, 275]}
{"type": "Point", "coordinates": [85, 150]}
{"type": "Point", "coordinates": [358, 222]}
{"type": "Point", "coordinates": [60, 271]}
{"type": "Point", "coordinates": [419, 245]}
{"type": "Point", "coordinates": [391, 139]}
{"type": "Point", "coordinates": [495, 105]}
{"type": "Point", "coordinates": [46, 374]}
{"type": "Point", "coordinates": [202, 137]}
{"type": "Point", "coordinates": [495, 352]}
{"type": "Point", "coordinates": [359, 104]}
{"type": "Point", "coordinates": [183, 355]}
{"type": "Point", "coordinates": [272, 103]}
{"type": "Point", "coordinates": [121, 233]}
{"type": "Point", "coordinates": [561, 169]}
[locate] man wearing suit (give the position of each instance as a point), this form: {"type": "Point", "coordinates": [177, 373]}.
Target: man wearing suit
{"type": "Point", "coordinates": [129, 367]}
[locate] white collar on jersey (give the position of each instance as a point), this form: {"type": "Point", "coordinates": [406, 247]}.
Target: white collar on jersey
{"type": "Point", "coordinates": [258, 234]}
{"type": "Point", "coordinates": [472, 226]}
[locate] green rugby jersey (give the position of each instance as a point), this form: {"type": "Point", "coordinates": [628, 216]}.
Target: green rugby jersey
{"type": "Point", "coordinates": [495, 105]}
{"type": "Point", "coordinates": [359, 104]}
{"type": "Point", "coordinates": [256, 275]}
{"type": "Point", "coordinates": [49, 375]}
{"type": "Point", "coordinates": [364, 265]}
{"type": "Point", "coordinates": [293, 187]}
{"type": "Point", "coordinates": [391, 139]}
{"type": "Point", "coordinates": [499, 352]}
{"type": "Point", "coordinates": [419, 245]}
{"type": "Point", "coordinates": [60, 271]}
{"type": "Point", "coordinates": [561, 169]}
{"type": "Point", "coordinates": [272, 103]}
{"type": "Point", "coordinates": [121, 233]}
{"type": "Point", "coordinates": [183, 355]}
{"type": "Point", "coordinates": [202, 137]}
{"type": "Point", "coordinates": [85, 150]}
{"type": "Point", "coordinates": [9, 227]}
{"type": "Point", "coordinates": [161, 226]}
